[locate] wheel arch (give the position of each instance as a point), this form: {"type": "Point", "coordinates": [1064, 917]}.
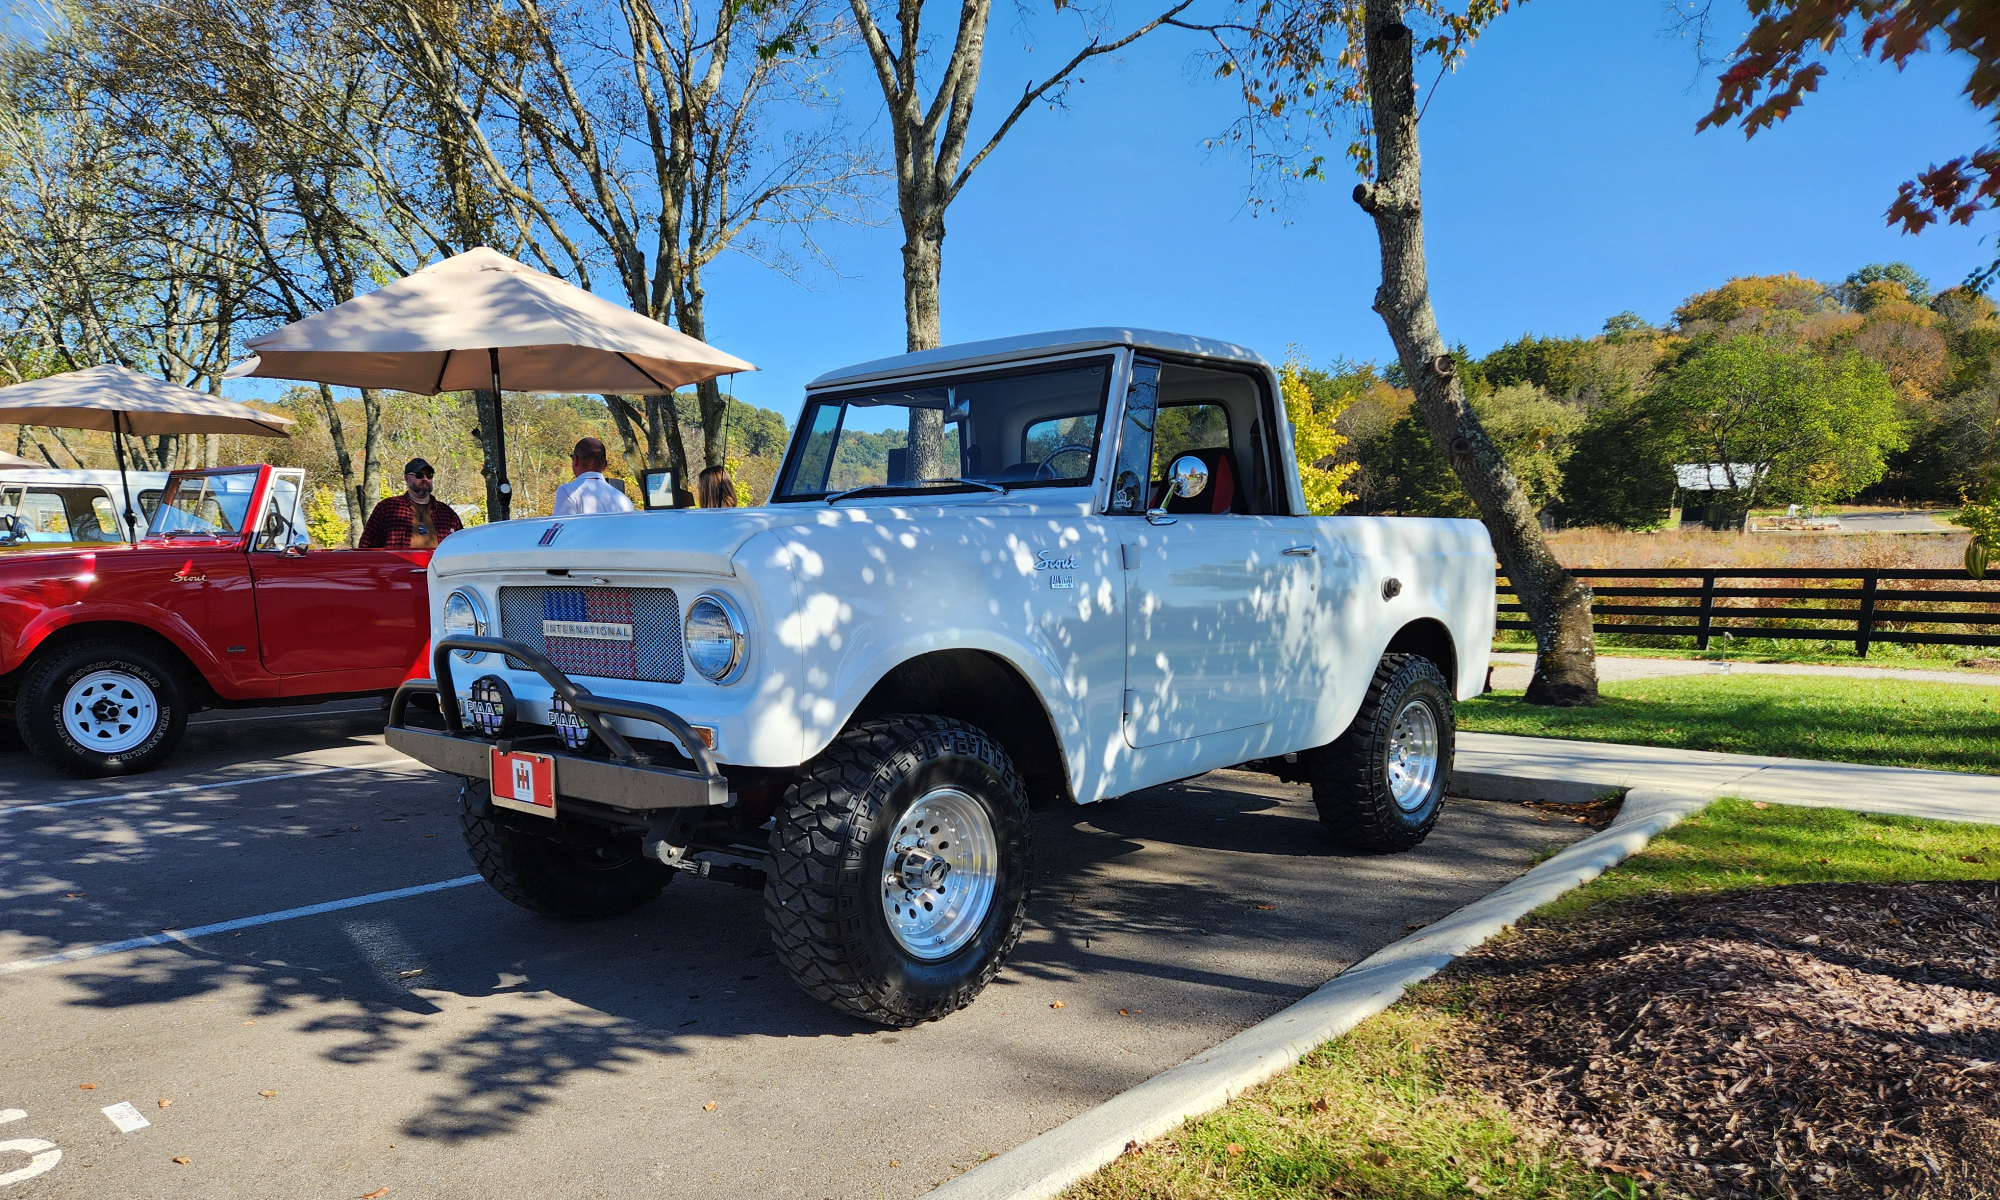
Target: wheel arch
{"type": "Point", "coordinates": [173, 657]}
{"type": "Point", "coordinates": [980, 688]}
{"type": "Point", "coordinates": [1428, 637]}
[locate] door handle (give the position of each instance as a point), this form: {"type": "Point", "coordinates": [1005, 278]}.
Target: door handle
{"type": "Point", "coordinates": [1302, 551]}
{"type": "Point", "coordinates": [426, 570]}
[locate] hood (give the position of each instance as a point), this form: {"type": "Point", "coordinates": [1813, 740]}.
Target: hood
{"type": "Point", "coordinates": [697, 541]}
{"type": "Point", "coordinates": [701, 541]}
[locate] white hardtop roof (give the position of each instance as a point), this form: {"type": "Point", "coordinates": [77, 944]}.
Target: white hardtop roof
{"type": "Point", "coordinates": [1037, 345]}
{"type": "Point", "coordinates": [57, 475]}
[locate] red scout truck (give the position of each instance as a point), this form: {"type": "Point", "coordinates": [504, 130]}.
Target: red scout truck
{"type": "Point", "coordinates": [105, 652]}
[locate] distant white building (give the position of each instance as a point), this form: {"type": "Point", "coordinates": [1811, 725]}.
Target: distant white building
{"type": "Point", "coordinates": [1707, 479]}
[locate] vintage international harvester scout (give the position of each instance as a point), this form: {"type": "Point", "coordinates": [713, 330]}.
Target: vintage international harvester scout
{"type": "Point", "coordinates": [993, 578]}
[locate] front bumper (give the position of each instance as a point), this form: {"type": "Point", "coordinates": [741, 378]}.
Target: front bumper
{"type": "Point", "coordinates": [628, 781]}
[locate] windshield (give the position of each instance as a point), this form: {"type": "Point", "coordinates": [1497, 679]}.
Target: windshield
{"type": "Point", "coordinates": [204, 505]}
{"type": "Point", "coordinates": [1033, 428]}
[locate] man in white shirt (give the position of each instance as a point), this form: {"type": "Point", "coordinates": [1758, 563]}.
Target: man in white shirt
{"type": "Point", "coordinates": [589, 492]}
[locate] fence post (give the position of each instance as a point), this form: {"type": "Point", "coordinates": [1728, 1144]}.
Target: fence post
{"type": "Point", "coordinates": [1865, 626]}
{"type": "Point", "coordinates": [1707, 610]}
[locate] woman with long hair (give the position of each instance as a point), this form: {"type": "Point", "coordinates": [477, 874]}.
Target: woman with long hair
{"type": "Point", "coordinates": [714, 488]}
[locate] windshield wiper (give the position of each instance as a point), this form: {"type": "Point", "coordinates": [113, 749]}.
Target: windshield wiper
{"type": "Point", "coordinates": [914, 488]}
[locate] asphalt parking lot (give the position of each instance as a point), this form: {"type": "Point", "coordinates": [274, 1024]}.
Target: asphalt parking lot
{"type": "Point", "coordinates": [446, 1044]}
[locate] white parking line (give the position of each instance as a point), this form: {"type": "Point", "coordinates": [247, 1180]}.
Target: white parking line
{"type": "Point", "coordinates": [182, 935]}
{"type": "Point", "coordinates": [173, 789]}
{"type": "Point", "coordinates": [292, 716]}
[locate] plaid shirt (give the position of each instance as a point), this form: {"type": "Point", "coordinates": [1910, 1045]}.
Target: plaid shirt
{"type": "Point", "coordinates": [394, 522]}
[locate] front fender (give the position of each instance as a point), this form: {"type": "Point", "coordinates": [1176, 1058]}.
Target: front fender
{"type": "Point", "coordinates": [49, 621]}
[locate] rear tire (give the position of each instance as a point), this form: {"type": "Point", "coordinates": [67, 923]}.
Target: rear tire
{"type": "Point", "coordinates": [555, 878]}
{"type": "Point", "coordinates": [1379, 786]}
{"type": "Point", "coordinates": [101, 708]}
{"type": "Point", "coordinates": [899, 869]}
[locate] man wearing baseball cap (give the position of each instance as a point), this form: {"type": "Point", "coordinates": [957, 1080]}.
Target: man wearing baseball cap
{"type": "Point", "coordinates": [414, 520]}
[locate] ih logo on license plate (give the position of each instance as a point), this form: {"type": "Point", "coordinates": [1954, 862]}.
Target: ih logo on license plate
{"type": "Point", "coordinates": [525, 782]}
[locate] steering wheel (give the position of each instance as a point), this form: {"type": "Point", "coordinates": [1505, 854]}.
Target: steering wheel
{"type": "Point", "coordinates": [1050, 457]}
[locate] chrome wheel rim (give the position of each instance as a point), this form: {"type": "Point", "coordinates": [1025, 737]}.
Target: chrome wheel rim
{"type": "Point", "coordinates": [939, 873]}
{"type": "Point", "coordinates": [1413, 755]}
{"type": "Point", "coordinates": [110, 712]}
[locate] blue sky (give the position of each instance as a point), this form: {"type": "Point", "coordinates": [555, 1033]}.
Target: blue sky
{"type": "Point", "coordinates": [1563, 183]}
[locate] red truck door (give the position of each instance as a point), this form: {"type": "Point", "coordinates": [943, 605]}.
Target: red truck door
{"type": "Point", "coordinates": [346, 616]}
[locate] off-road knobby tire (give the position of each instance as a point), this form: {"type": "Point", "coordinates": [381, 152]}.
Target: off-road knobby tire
{"type": "Point", "coordinates": [823, 890]}
{"type": "Point", "coordinates": [37, 708]}
{"type": "Point", "coordinates": [550, 877]}
{"type": "Point", "coordinates": [1350, 780]}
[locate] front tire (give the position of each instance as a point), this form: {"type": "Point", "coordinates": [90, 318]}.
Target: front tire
{"type": "Point", "coordinates": [899, 869]}
{"type": "Point", "coordinates": [1379, 786]}
{"type": "Point", "coordinates": [555, 878]}
{"type": "Point", "coordinates": [101, 708]}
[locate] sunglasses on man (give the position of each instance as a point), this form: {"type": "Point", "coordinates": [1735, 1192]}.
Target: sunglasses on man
{"type": "Point", "coordinates": [422, 474]}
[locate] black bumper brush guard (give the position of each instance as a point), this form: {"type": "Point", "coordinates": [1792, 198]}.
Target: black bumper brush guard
{"type": "Point", "coordinates": [629, 782]}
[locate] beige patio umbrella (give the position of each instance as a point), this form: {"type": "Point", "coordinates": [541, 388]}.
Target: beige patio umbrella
{"type": "Point", "coordinates": [475, 319]}
{"type": "Point", "coordinates": [120, 400]}
{"type": "Point", "coordinates": [15, 461]}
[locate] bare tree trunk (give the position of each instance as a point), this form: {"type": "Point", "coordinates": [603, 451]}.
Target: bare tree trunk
{"type": "Point", "coordinates": [485, 402]}
{"type": "Point", "coordinates": [1558, 605]}
{"type": "Point", "coordinates": [708, 393]}
{"type": "Point", "coordinates": [371, 442]}
{"type": "Point", "coordinates": [621, 416]}
{"type": "Point", "coordinates": [360, 505]}
{"type": "Point", "coordinates": [923, 266]}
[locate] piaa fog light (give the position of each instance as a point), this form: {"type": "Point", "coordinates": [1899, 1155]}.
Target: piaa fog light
{"type": "Point", "coordinates": [489, 710]}
{"type": "Point", "coordinates": [570, 729]}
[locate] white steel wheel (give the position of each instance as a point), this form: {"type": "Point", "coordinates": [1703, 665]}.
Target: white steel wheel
{"type": "Point", "coordinates": [939, 874]}
{"type": "Point", "coordinates": [110, 711]}
{"type": "Point", "coordinates": [1413, 755]}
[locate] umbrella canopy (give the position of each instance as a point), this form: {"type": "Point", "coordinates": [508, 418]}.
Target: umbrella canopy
{"type": "Point", "coordinates": [111, 397]}
{"type": "Point", "coordinates": [120, 400]}
{"type": "Point", "coordinates": [13, 461]}
{"type": "Point", "coordinates": [439, 330]}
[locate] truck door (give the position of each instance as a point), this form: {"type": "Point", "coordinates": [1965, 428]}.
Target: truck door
{"type": "Point", "coordinates": [1219, 601]}
{"type": "Point", "coordinates": [347, 613]}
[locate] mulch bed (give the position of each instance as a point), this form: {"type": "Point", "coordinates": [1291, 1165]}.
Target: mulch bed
{"type": "Point", "coordinates": [1817, 1040]}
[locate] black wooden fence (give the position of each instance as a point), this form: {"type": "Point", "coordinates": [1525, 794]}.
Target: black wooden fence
{"type": "Point", "coordinates": [1869, 606]}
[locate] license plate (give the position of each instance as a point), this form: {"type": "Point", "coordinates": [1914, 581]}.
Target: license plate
{"type": "Point", "coordinates": [525, 782]}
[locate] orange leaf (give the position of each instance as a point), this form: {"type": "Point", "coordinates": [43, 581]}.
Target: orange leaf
{"type": "Point", "coordinates": [267, 1093]}
{"type": "Point", "coordinates": [1266, 907]}
{"type": "Point", "coordinates": [709, 1107]}
{"type": "Point", "coordinates": [183, 1161]}
{"type": "Point", "coordinates": [1055, 1004]}
{"type": "Point", "coordinates": [166, 1104]}
{"type": "Point", "coordinates": [1758, 804]}
{"type": "Point", "coordinates": [88, 1087]}
{"type": "Point", "coordinates": [377, 1194]}
{"type": "Point", "coordinates": [1235, 1147]}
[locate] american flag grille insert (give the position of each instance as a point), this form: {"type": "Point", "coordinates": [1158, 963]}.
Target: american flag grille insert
{"type": "Point", "coordinates": [631, 633]}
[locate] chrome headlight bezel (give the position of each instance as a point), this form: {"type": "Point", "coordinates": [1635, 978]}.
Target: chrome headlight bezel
{"type": "Point", "coordinates": [737, 639]}
{"type": "Point", "coordinates": [476, 609]}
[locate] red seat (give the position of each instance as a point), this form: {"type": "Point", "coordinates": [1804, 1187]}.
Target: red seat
{"type": "Point", "coordinates": [1221, 494]}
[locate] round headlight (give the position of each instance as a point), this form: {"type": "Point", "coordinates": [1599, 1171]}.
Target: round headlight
{"type": "Point", "coordinates": [715, 642]}
{"type": "Point", "coordinates": [463, 613]}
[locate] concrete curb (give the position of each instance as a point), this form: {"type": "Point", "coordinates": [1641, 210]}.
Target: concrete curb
{"type": "Point", "coordinates": [1044, 1166]}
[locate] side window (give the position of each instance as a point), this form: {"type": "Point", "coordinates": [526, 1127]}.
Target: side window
{"type": "Point", "coordinates": [47, 521]}
{"type": "Point", "coordinates": [1185, 428]}
{"type": "Point", "coordinates": [107, 517]}
{"type": "Point", "coordinates": [280, 528]}
{"type": "Point", "coordinates": [1060, 447]}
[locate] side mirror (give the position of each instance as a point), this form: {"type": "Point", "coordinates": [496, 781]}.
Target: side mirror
{"type": "Point", "coordinates": [295, 550]}
{"type": "Point", "coordinates": [659, 490]}
{"type": "Point", "coordinates": [1188, 477]}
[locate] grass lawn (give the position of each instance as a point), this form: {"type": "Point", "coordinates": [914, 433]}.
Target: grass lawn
{"type": "Point", "coordinates": [1891, 722]}
{"type": "Point", "coordinates": [1379, 1114]}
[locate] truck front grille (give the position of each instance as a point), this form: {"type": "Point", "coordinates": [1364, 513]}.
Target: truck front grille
{"type": "Point", "coordinates": [609, 633]}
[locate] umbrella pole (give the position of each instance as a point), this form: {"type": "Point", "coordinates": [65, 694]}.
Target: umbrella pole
{"type": "Point", "coordinates": [505, 489]}
{"type": "Point", "coordinates": [125, 484]}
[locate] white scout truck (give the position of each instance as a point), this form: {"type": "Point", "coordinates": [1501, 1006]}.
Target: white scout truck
{"type": "Point", "coordinates": [855, 696]}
